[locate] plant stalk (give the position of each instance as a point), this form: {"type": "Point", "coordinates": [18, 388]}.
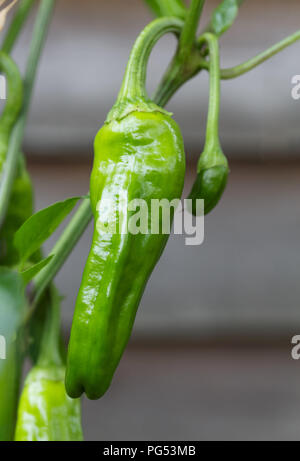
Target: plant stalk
{"type": "Point", "coordinates": [37, 43]}
{"type": "Point", "coordinates": [16, 25]}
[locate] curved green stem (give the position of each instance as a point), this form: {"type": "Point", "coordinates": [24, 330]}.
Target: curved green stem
{"type": "Point", "coordinates": [247, 66]}
{"type": "Point", "coordinates": [16, 25]}
{"type": "Point", "coordinates": [212, 133]}
{"type": "Point", "coordinates": [62, 250]}
{"type": "Point", "coordinates": [133, 86]}
{"type": "Point", "coordinates": [133, 95]}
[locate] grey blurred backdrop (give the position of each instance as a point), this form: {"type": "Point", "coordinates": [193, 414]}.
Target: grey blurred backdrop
{"type": "Point", "coordinates": [210, 355]}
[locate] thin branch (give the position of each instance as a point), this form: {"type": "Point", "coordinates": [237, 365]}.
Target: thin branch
{"type": "Point", "coordinates": [190, 27]}
{"type": "Point", "coordinates": [16, 25]}
{"type": "Point", "coordinates": [241, 69]}
{"type": "Point", "coordinates": [37, 43]}
{"type": "Point", "coordinates": [247, 66]}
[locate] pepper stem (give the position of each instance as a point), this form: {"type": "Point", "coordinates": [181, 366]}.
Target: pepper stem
{"type": "Point", "coordinates": [212, 131]}
{"type": "Point", "coordinates": [133, 95]}
{"type": "Point", "coordinates": [49, 354]}
{"type": "Point", "coordinates": [189, 31]}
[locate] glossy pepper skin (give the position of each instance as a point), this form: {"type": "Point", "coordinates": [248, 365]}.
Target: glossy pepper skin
{"type": "Point", "coordinates": [140, 156]}
{"type": "Point", "coordinates": [45, 411]}
{"type": "Point", "coordinates": [211, 181]}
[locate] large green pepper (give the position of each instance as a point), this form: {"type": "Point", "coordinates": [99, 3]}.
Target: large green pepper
{"type": "Point", "coordinates": [46, 412]}
{"type": "Point", "coordinates": [212, 170]}
{"type": "Point", "coordinates": [12, 311]}
{"type": "Point", "coordinates": [139, 154]}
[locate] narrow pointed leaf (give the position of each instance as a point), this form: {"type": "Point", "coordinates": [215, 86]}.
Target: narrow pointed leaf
{"type": "Point", "coordinates": [39, 227]}
{"type": "Point", "coordinates": [29, 274]}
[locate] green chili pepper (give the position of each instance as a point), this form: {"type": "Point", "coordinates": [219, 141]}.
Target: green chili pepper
{"type": "Point", "coordinates": [139, 154]}
{"type": "Point", "coordinates": [12, 311]}
{"type": "Point", "coordinates": [45, 411]}
{"type": "Point", "coordinates": [212, 170]}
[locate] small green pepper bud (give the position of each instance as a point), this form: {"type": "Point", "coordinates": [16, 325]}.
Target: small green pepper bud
{"type": "Point", "coordinates": [212, 170]}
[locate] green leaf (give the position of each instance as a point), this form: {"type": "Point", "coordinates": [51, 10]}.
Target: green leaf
{"type": "Point", "coordinates": [39, 227]}
{"type": "Point", "coordinates": [29, 274]}
{"type": "Point", "coordinates": [168, 8]}
{"type": "Point", "coordinates": [224, 16]}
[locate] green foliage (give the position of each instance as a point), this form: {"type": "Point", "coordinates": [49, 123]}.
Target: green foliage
{"type": "Point", "coordinates": [30, 273]}
{"type": "Point", "coordinates": [224, 16]}
{"type": "Point", "coordinates": [168, 8]}
{"type": "Point", "coordinates": [39, 227]}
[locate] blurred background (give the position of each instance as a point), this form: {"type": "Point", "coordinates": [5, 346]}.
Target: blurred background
{"type": "Point", "coordinates": [210, 357]}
